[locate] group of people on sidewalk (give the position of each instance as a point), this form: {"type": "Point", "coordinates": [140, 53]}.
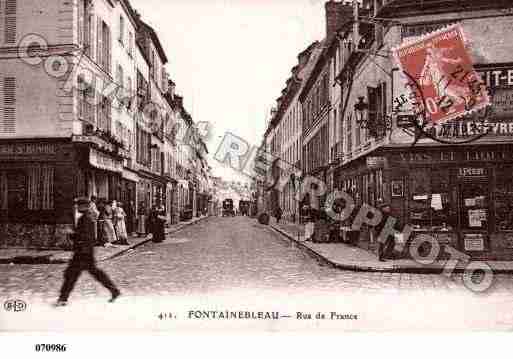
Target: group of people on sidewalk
{"type": "Point", "coordinates": [110, 219]}
{"type": "Point", "coordinates": [113, 225]}
{"type": "Point", "coordinates": [312, 216]}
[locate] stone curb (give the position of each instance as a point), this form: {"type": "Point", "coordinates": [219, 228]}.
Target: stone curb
{"type": "Point", "coordinates": [48, 260]}
{"type": "Point", "coordinates": [391, 268]}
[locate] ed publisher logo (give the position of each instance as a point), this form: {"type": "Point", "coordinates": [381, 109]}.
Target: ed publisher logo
{"type": "Point", "coordinates": [15, 305]}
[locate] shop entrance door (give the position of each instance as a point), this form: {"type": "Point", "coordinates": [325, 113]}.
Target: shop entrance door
{"type": "Point", "coordinates": [474, 216]}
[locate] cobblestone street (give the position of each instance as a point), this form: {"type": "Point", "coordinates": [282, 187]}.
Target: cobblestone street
{"type": "Point", "coordinates": [242, 260]}
{"type": "Point", "coordinates": [223, 254]}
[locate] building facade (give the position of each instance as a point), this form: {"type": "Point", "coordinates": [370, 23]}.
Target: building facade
{"type": "Point", "coordinates": [357, 133]}
{"type": "Point", "coordinates": [454, 187]}
{"type": "Point", "coordinates": [84, 113]}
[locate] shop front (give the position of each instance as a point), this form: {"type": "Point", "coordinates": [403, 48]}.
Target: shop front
{"type": "Point", "coordinates": [102, 173]}
{"type": "Point", "coordinates": [38, 183]}
{"type": "Point", "coordinates": [460, 195]}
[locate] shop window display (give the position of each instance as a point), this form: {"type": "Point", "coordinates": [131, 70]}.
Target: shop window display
{"type": "Point", "coordinates": [430, 203]}
{"type": "Point", "coordinates": [503, 199]}
{"type": "Point", "coordinates": [474, 214]}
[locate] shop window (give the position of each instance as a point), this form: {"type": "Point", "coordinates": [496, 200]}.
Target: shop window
{"type": "Point", "coordinates": [474, 206]}
{"type": "Point", "coordinates": [429, 203]}
{"type": "Point", "coordinates": [503, 199]}
{"type": "Point", "coordinates": [40, 188]}
{"type": "Point", "coordinates": [16, 195]}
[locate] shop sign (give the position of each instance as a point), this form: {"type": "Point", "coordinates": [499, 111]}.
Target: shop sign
{"type": "Point", "coordinates": [470, 172]}
{"type": "Point", "coordinates": [375, 161]}
{"type": "Point", "coordinates": [128, 175]}
{"type": "Point", "coordinates": [465, 128]}
{"type": "Point", "coordinates": [28, 149]}
{"type": "Point", "coordinates": [496, 77]}
{"type": "Point", "coordinates": [474, 242]}
{"type": "Point", "coordinates": [104, 162]}
{"type": "Point", "coordinates": [449, 156]}
{"type": "Point", "coordinates": [95, 140]}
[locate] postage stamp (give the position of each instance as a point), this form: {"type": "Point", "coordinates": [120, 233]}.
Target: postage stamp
{"type": "Point", "coordinates": [446, 83]}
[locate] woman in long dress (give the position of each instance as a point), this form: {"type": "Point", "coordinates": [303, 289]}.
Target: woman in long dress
{"type": "Point", "coordinates": [108, 232]}
{"type": "Point", "coordinates": [120, 225]}
{"type": "Point", "coordinates": [158, 220]}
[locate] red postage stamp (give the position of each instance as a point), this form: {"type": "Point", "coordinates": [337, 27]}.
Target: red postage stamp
{"type": "Point", "coordinates": [442, 79]}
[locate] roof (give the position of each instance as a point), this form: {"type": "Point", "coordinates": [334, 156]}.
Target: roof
{"type": "Point", "coordinates": [130, 10]}
{"type": "Point", "coordinates": [156, 41]}
{"type": "Point", "coordinates": [319, 62]}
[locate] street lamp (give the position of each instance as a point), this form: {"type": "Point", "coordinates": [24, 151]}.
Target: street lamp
{"type": "Point", "coordinates": [360, 109]}
{"type": "Point", "coordinates": [376, 123]}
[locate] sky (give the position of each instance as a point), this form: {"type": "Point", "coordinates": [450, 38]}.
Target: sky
{"type": "Point", "coordinates": [230, 58]}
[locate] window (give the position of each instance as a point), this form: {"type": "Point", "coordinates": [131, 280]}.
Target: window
{"type": "Point", "coordinates": [104, 113]}
{"type": "Point", "coordinates": [10, 22]}
{"type": "Point", "coordinates": [85, 20]}
{"type": "Point", "coordinates": [121, 86]}
{"type": "Point", "coordinates": [8, 105]}
{"type": "Point", "coordinates": [349, 133]}
{"type": "Point", "coordinates": [143, 139]}
{"type": "Point", "coordinates": [503, 199]}
{"type": "Point", "coordinates": [130, 44]}
{"type": "Point", "coordinates": [85, 97]}
{"type": "Point", "coordinates": [129, 92]}
{"type": "Point", "coordinates": [16, 194]}
{"type": "Point", "coordinates": [103, 46]}
{"type": "Point", "coordinates": [121, 29]}
{"type": "Point", "coordinates": [164, 80]}
{"type": "Point", "coordinates": [40, 188]}
{"type": "Point", "coordinates": [142, 89]}
{"type": "Point", "coordinates": [430, 205]}
{"type": "Point", "coordinates": [155, 67]}
{"type": "Point", "coordinates": [119, 76]}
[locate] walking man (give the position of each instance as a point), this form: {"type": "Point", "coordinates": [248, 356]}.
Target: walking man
{"type": "Point", "coordinates": [83, 257]}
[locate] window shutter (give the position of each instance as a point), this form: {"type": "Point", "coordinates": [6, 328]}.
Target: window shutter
{"type": "Point", "coordinates": [81, 24]}
{"type": "Point", "coordinates": [99, 42]}
{"type": "Point", "coordinates": [10, 21]}
{"type": "Point", "coordinates": [47, 174]}
{"type": "Point", "coordinates": [107, 46]}
{"type": "Point", "coordinates": [9, 106]}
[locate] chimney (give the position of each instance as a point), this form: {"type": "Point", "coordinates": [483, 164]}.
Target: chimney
{"type": "Point", "coordinates": [179, 101]}
{"type": "Point", "coordinates": [337, 13]}
{"type": "Point", "coordinates": [171, 89]}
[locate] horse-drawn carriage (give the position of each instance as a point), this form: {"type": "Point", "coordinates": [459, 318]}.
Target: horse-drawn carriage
{"type": "Point", "coordinates": [228, 208]}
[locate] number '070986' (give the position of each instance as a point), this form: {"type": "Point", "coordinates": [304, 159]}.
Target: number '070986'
{"type": "Point", "coordinates": [55, 348]}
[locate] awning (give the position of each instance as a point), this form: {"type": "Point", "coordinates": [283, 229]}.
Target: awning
{"type": "Point", "coordinates": [129, 175]}
{"type": "Point", "coordinates": [104, 162]}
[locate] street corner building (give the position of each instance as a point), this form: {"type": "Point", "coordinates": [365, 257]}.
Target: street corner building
{"type": "Point", "coordinates": [88, 109]}
{"type": "Point", "coordinates": [450, 180]}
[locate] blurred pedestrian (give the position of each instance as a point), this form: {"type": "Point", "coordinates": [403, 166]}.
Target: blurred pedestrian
{"type": "Point", "coordinates": [385, 246]}
{"type": "Point", "coordinates": [119, 216]}
{"type": "Point", "coordinates": [83, 257]}
{"type": "Point", "coordinates": [96, 215]}
{"type": "Point", "coordinates": [130, 218]}
{"type": "Point", "coordinates": [278, 214]}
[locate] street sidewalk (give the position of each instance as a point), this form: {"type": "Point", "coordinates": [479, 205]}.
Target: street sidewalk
{"type": "Point", "coordinates": [347, 257]}
{"type": "Point", "coordinates": [33, 256]}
